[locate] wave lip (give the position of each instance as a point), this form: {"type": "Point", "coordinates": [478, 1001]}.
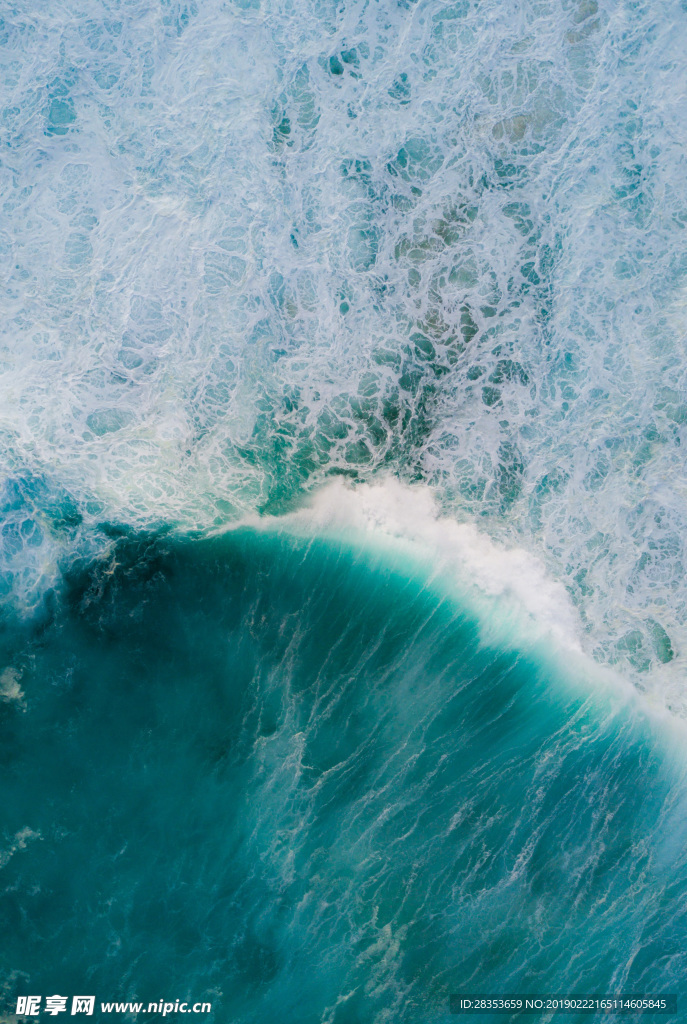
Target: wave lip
{"type": "Point", "coordinates": [390, 511]}
{"type": "Point", "coordinates": [518, 604]}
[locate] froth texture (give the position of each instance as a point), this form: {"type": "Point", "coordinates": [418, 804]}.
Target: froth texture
{"type": "Point", "coordinates": [251, 244]}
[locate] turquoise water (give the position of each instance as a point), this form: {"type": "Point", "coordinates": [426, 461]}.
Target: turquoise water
{"type": "Point", "coordinates": [343, 590]}
{"type": "Point", "coordinates": [291, 777]}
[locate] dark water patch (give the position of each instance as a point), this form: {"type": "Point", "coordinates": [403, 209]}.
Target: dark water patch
{"type": "Point", "coordinates": [288, 777]}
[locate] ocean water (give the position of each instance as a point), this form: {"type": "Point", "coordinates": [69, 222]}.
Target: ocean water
{"type": "Point", "coordinates": [299, 779]}
{"type": "Point", "coordinates": [342, 501]}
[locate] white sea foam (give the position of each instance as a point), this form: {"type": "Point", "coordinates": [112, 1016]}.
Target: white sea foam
{"type": "Point", "coordinates": [392, 511]}
{"type": "Point", "coordinates": [19, 842]}
{"type": "Point", "coordinates": [247, 245]}
{"type": "Point", "coordinates": [10, 690]}
{"type": "Point", "coordinates": [510, 589]}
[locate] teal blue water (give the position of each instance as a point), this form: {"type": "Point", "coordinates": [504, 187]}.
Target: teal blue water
{"type": "Point", "coordinates": [431, 248]}
{"type": "Point", "coordinates": [289, 776]}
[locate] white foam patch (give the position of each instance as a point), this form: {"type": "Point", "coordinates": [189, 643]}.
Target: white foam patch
{"type": "Point", "coordinates": [247, 243]}
{"type": "Point", "coordinates": [516, 600]}
{"type": "Point", "coordinates": [393, 511]}
{"type": "Point", "coordinates": [10, 690]}
{"type": "Point", "coordinates": [19, 842]}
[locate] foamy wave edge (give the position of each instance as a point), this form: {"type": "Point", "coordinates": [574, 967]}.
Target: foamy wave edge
{"type": "Point", "coordinates": [517, 602]}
